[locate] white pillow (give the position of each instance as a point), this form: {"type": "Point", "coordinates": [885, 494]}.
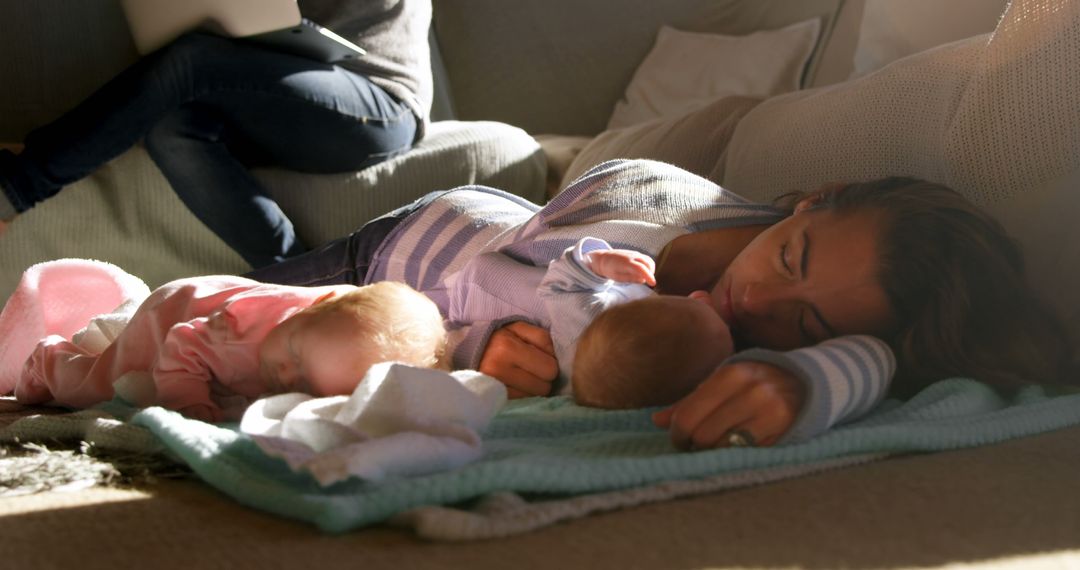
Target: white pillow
{"type": "Point", "coordinates": [686, 70]}
{"type": "Point", "coordinates": [695, 141]}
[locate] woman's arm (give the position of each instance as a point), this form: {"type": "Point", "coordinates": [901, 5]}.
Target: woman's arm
{"type": "Point", "coordinates": [783, 396]}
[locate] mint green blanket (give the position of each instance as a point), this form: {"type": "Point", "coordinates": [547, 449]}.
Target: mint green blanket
{"type": "Point", "coordinates": [554, 448]}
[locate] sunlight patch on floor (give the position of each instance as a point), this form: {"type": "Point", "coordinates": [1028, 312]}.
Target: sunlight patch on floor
{"type": "Point", "coordinates": [58, 499]}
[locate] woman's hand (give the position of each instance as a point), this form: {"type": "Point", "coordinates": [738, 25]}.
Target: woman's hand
{"type": "Point", "coordinates": [758, 399]}
{"type": "Point", "coordinates": [521, 356]}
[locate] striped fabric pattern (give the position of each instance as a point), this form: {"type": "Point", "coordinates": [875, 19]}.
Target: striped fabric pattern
{"type": "Point", "coordinates": [845, 378]}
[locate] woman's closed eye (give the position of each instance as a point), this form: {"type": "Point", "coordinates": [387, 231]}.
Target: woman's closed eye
{"type": "Point", "coordinates": [788, 251]}
{"type": "Point", "coordinates": [784, 260]}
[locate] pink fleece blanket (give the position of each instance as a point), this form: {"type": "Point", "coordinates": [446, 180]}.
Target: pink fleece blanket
{"type": "Point", "coordinates": [58, 297]}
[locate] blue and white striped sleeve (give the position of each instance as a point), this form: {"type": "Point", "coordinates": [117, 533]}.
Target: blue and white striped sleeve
{"type": "Point", "coordinates": [845, 378]}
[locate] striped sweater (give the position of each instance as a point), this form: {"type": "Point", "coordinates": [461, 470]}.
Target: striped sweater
{"type": "Point", "coordinates": [640, 205]}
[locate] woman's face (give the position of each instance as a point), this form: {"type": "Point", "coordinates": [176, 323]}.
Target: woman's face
{"type": "Point", "coordinates": [808, 278]}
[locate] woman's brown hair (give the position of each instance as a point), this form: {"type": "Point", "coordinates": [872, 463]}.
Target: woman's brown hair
{"type": "Point", "coordinates": [957, 285]}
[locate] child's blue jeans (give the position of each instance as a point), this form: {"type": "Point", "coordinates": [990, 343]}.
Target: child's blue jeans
{"type": "Point", "coordinates": [208, 108]}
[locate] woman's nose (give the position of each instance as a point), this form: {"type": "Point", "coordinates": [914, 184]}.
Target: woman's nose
{"type": "Point", "coordinates": [766, 299]}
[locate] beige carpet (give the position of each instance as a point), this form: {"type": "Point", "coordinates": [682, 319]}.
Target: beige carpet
{"type": "Point", "coordinates": [1015, 504]}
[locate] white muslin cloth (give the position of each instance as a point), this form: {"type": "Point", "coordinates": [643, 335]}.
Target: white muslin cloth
{"type": "Point", "coordinates": [400, 421]}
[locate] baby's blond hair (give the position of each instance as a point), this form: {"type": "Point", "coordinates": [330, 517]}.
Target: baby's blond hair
{"type": "Point", "coordinates": [396, 323]}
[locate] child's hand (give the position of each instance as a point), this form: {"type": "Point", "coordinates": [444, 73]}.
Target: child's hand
{"type": "Point", "coordinates": [623, 265]}
{"type": "Point", "coordinates": [755, 398]}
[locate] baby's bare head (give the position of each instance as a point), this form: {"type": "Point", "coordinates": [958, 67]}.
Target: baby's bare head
{"type": "Point", "coordinates": [649, 352]}
{"type": "Point", "coordinates": [393, 322]}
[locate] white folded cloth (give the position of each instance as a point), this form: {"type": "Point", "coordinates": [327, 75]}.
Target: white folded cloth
{"type": "Point", "coordinates": [400, 421]}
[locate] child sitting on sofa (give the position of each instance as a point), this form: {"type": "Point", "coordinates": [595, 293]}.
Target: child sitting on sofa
{"type": "Point", "coordinates": [209, 346]}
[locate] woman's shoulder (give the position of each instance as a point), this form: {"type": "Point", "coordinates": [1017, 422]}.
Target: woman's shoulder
{"type": "Point", "coordinates": [646, 190]}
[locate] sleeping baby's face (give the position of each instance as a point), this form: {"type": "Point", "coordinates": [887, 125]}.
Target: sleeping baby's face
{"type": "Point", "coordinates": [314, 353]}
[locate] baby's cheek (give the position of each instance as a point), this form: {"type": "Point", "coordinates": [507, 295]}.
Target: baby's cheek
{"type": "Point", "coordinates": [332, 383]}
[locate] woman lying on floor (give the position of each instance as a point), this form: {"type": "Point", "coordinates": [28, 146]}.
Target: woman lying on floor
{"type": "Point", "coordinates": [824, 294]}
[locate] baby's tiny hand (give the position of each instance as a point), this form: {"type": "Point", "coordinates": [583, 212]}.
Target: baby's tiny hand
{"type": "Point", "coordinates": [623, 265]}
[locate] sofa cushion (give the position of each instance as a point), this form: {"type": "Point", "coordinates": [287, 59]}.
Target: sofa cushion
{"type": "Point", "coordinates": [453, 153]}
{"type": "Point", "coordinates": [687, 70]}
{"type": "Point", "coordinates": [558, 66]}
{"type": "Point", "coordinates": [996, 117]}
{"type": "Point", "coordinates": [1045, 224]}
{"type": "Point", "coordinates": [560, 151]}
{"type": "Point", "coordinates": [889, 122]}
{"type": "Point", "coordinates": [126, 214]}
{"type": "Point", "coordinates": [695, 141]}
{"type": "Point", "coordinates": [891, 30]}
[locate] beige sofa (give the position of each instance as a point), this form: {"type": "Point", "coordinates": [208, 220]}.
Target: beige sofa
{"type": "Point", "coordinates": [558, 67]}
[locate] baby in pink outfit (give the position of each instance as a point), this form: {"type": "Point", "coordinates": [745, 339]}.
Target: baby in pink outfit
{"type": "Point", "coordinates": [208, 346]}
